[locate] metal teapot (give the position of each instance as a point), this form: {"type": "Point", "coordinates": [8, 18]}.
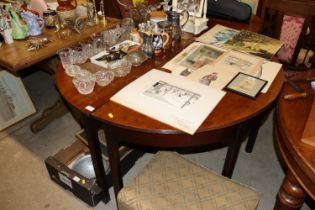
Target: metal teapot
{"type": "Point", "coordinates": [35, 24]}
{"type": "Point", "coordinates": [177, 20]}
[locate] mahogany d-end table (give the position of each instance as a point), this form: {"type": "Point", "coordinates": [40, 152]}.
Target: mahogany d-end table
{"type": "Point", "coordinates": [227, 125]}
{"type": "Point", "coordinates": [299, 158]}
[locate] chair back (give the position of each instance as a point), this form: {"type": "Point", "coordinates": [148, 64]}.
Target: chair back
{"type": "Point", "coordinates": [293, 22]}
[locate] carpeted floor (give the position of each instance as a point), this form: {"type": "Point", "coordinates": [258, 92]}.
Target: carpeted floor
{"type": "Point", "coordinates": [25, 183]}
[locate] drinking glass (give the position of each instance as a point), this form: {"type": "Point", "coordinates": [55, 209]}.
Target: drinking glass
{"type": "Point", "coordinates": [66, 59]}
{"type": "Point", "coordinates": [78, 54]}
{"type": "Point", "coordinates": [98, 43]}
{"type": "Point", "coordinates": [84, 81]}
{"type": "Point", "coordinates": [104, 77]}
{"type": "Point", "coordinates": [88, 49]}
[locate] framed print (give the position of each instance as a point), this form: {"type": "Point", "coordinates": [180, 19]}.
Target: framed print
{"type": "Point", "coordinates": [15, 103]}
{"type": "Point", "coordinates": [246, 85]}
{"type": "Point", "coordinates": [194, 7]}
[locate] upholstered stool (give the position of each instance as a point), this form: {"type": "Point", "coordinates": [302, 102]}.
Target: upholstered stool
{"type": "Point", "coordinates": [170, 182]}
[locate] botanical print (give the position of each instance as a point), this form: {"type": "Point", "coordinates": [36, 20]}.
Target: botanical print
{"type": "Point", "coordinates": [255, 44]}
{"type": "Point", "coordinates": [172, 95]}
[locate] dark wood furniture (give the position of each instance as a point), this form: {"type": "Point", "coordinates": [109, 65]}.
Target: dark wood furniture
{"type": "Point", "coordinates": [273, 12]}
{"type": "Point", "coordinates": [15, 59]}
{"type": "Point", "coordinates": [299, 158]}
{"type": "Point", "coordinates": [227, 125]}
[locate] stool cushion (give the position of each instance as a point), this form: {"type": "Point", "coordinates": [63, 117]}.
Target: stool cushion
{"type": "Point", "coordinates": [170, 182]}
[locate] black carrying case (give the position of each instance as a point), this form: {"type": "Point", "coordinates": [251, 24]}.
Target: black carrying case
{"type": "Point", "coordinates": [229, 9]}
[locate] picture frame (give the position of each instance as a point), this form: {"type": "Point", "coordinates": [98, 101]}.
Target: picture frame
{"type": "Point", "coordinates": [246, 85]}
{"type": "Point", "coordinates": [15, 103]}
{"type": "Point", "coordinates": [179, 5]}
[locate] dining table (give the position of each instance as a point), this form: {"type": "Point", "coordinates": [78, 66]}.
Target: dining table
{"type": "Point", "coordinates": [291, 119]}
{"type": "Point", "coordinates": [227, 125]}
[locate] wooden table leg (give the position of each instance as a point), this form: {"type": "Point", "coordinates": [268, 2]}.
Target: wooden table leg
{"type": "Point", "coordinates": [91, 127]}
{"type": "Point", "coordinates": [232, 152]}
{"type": "Point", "coordinates": [114, 161]}
{"type": "Point", "coordinates": [50, 114]}
{"type": "Point", "coordinates": [290, 196]}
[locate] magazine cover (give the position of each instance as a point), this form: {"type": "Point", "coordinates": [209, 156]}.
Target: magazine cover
{"type": "Point", "coordinates": [217, 35]}
{"type": "Point", "coordinates": [254, 43]}
{"type": "Point", "coordinates": [171, 99]}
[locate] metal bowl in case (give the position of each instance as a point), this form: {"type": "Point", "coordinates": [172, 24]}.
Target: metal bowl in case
{"type": "Point", "coordinates": [84, 166]}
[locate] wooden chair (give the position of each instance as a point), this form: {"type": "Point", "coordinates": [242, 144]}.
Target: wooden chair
{"type": "Point", "coordinates": [297, 17]}
{"type": "Point", "coordinates": [170, 182]}
{"type": "Point", "coordinates": [273, 13]}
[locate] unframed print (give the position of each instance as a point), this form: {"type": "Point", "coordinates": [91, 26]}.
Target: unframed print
{"type": "Point", "coordinates": [240, 62]}
{"type": "Point", "coordinates": [171, 99]}
{"type": "Point", "coordinates": [193, 57]}
{"type": "Point", "coordinates": [255, 44]}
{"type": "Point", "coordinates": [211, 76]}
{"type": "Point", "coordinates": [217, 35]}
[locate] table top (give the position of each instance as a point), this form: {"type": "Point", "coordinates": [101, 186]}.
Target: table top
{"type": "Point", "coordinates": [15, 57]}
{"type": "Point", "coordinates": [291, 117]}
{"type": "Point", "coordinates": [229, 111]}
